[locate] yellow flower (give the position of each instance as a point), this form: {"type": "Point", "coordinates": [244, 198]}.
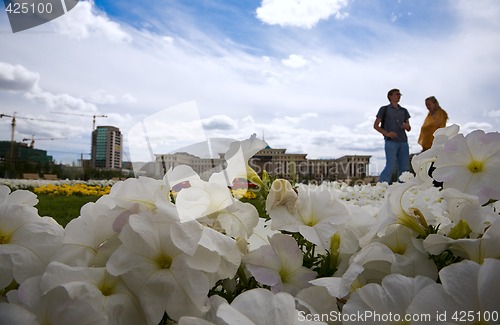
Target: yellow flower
{"type": "Point", "coordinates": [73, 189]}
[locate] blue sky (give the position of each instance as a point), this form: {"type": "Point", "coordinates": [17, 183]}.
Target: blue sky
{"type": "Point", "coordinates": [309, 76]}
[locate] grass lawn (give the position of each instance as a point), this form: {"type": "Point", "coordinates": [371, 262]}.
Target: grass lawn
{"type": "Point", "coordinates": [62, 208]}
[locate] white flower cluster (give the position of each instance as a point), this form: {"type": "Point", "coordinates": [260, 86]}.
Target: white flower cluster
{"type": "Point", "coordinates": [309, 254]}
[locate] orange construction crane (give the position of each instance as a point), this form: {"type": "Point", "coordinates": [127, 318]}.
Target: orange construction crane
{"type": "Point", "coordinates": [93, 117]}
{"type": "Point", "coordinates": [32, 144]}
{"type": "Point", "coordinates": [12, 140]}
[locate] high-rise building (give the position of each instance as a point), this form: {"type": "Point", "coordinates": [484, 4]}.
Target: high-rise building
{"type": "Point", "coordinates": [107, 147]}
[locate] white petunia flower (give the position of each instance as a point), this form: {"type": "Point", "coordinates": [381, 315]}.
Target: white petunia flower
{"type": "Point", "coordinates": [469, 294]}
{"type": "Point", "coordinates": [90, 239]}
{"type": "Point", "coordinates": [22, 197]}
{"type": "Point", "coordinates": [139, 194]}
{"type": "Point", "coordinates": [262, 307]}
{"type": "Point", "coordinates": [106, 293]}
{"type": "Point", "coordinates": [211, 251]}
{"type": "Point", "coordinates": [16, 315]}
{"type": "Point", "coordinates": [27, 241]}
{"type": "Point", "coordinates": [317, 303]}
{"type": "Point", "coordinates": [410, 258]}
{"type": "Point", "coordinates": [281, 194]}
{"type": "Point", "coordinates": [202, 199]}
{"type": "Point", "coordinates": [423, 161]}
{"type": "Point", "coordinates": [279, 265]}
{"type": "Point", "coordinates": [253, 307]}
{"type": "Point", "coordinates": [316, 214]}
{"type": "Point", "coordinates": [213, 205]}
{"type": "Point", "coordinates": [391, 299]}
{"type": "Point", "coordinates": [428, 202]}
{"type": "Point", "coordinates": [71, 304]}
{"type": "Point", "coordinates": [471, 164]}
{"type": "Point", "coordinates": [397, 252]}
{"type": "Point", "coordinates": [237, 158]}
{"type": "Point", "coordinates": [461, 206]}
{"type": "Point", "coordinates": [397, 209]}
{"type": "Point", "coordinates": [487, 246]}
{"type": "Point", "coordinates": [260, 235]}
{"type": "Point", "coordinates": [157, 271]}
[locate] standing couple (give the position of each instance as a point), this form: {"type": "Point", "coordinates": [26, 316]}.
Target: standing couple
{"type": "Point", "coordinates": [393, 121]}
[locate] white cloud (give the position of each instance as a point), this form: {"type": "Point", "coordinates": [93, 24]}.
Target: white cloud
{"type": "Point", "coordinates": [299, 13]}
{"type": "Point", "coordinates": [295, 61]}
{"type": "Point", "coordinates": [61, 102]}
{"type": "Point", "coordinates": [219, 122]}
{"type": "Point", "coordinates": [83, 21]}
{"type": "Point", "coordinates": [296, 120]}
{"type": "Point", "coordinates": [471, 126]}
{"type": "Point", "coordinates": [17, 77]}
{"type": "Point", "coordinates": [101, 97]}
{"type": "Point", "coordinates": [168, 39]}
{"type": "Point", "coordinates": [493, 113]}
{"type": "Point", "coordinates": [43, 128]}
{"type": "Point", "coordinates": [128, 98]}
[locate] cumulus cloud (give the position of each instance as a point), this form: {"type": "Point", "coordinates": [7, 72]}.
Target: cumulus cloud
{"type": "Point", "coordinates": [84, 21]}
{"type": "Point", "coordinates": [101, 97]}
{"type": "Point", "coordinates": [295, 120]}
{"type": "Point", "coordinates": [471, 126]}
{"type": "Point", "coordinates": [220, 122]}
{"type": "Point", "coordinates": [128, 98]}
{"type": "Point", "coordinates": [61, 102]}
{"type": "Point", "coordinates": [41, 128]}
{"type": "Point", "coordinates": [168, 39]}
{"type": "Point", "coordinates": [493, 113]}
{"type": "Point", "coordinates": [299, 13]}
{"type": "Point", "coordinates": [295, 61]}
{"type": "Point", "coordinates": [17, 77]}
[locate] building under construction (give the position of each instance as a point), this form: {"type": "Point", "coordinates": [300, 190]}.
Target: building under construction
{"type": "Point", "coordinates": [21, 152]}
{"type": "Point", "coordinates": [18, 158]}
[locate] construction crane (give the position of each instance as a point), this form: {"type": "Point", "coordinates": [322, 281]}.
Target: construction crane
{"type": "Point", "coordinates": [12, 140]}
{"type": "Point", "coordinates": [32, 144]}
{"type": "Point", "coordinates": [24, 118]}
{"type": "Point", "coordinates": [94, 116]}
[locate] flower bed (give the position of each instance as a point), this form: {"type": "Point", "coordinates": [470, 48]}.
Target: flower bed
{"type": "Point", "coordinates": [406, 253]}
{"type": "Point", "coordinates": [30, 184]}
{"type": "Point", "coordinates": [73, 189]}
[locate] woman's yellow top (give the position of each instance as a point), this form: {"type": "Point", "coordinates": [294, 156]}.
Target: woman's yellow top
{"type": "Point", "coordinates": [431, 124]}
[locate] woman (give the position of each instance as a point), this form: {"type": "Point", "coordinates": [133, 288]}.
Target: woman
{"type": "Point", "coordinates": [436, 118]}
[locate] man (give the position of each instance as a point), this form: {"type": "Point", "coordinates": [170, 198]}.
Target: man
{"type": "Point", "coordinates": [393, 121]}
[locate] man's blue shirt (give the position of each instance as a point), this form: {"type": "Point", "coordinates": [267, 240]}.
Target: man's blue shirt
{"type": "Point", "coordinates": [394, 118]}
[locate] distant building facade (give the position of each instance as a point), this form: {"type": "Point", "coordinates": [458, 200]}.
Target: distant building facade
{"type": "Point", "coordinates": [17, 158]}
{"type": "Point", "coordinates": [202, 166]}
{"type": "Point", "coordinates": [17, 153]}
{"type": "Point", "coordinates": [107, 144]}
{"type": "Point", "coordinates": [277, 163]}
